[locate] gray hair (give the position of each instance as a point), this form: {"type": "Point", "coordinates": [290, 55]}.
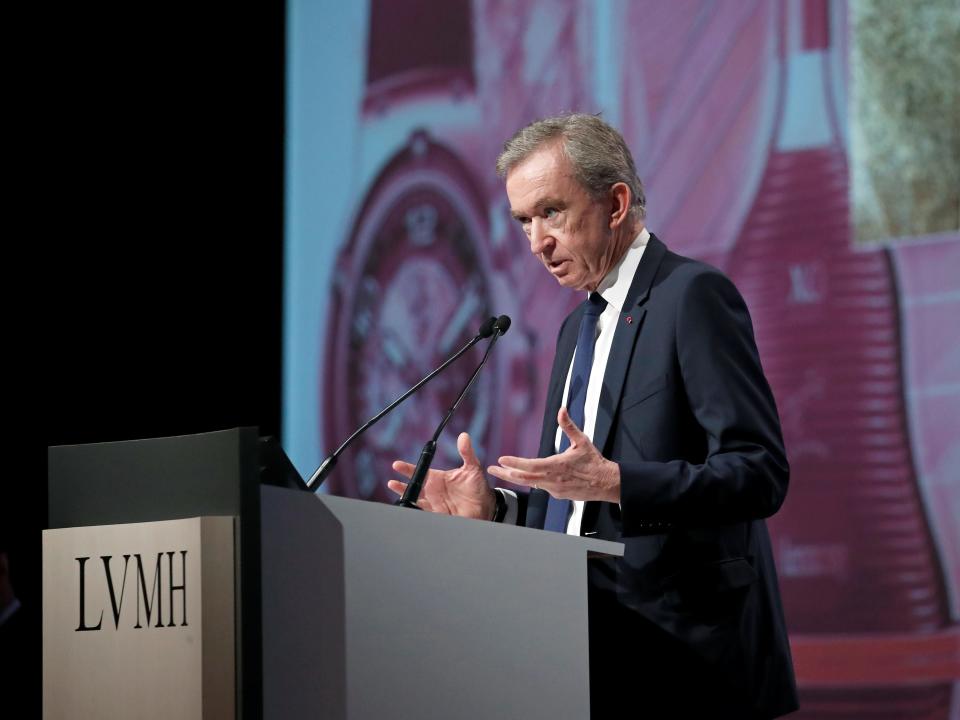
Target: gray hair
{"type": "Point", "coordinates": [598, 154]}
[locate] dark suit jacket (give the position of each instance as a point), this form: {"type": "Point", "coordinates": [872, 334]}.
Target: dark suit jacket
{"type": "Point", "coordinates": [687, 414]}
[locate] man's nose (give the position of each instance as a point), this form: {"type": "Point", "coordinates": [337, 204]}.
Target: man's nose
{"type": "Point", "coordinates": [540, 238]}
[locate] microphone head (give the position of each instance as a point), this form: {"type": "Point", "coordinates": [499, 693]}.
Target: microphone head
{"type": "Point", "coordinates": [486, 330]}
{"type": "Point", "coordinates": [502, 324]}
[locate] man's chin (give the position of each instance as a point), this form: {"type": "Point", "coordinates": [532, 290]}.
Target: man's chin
{"type": "Point", "coordinates": [572, 283]}
{"type": "Point", "coordinates": [562, 276]}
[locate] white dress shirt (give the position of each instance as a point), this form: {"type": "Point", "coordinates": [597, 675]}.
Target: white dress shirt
{"type": "Point", "coordinates": [613, 288]}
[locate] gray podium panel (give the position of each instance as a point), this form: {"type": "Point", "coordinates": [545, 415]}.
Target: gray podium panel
{"type": "Point", "coordinates": [155, 479]}
{"type": "Point", "coordinates": [374, 611]}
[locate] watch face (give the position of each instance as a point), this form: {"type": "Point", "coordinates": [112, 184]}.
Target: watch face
{"type": "Point", "coordinates": [411, 289]}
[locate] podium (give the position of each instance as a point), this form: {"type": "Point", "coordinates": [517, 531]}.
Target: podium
{"type": "Point", "coordinates": [185, 577]}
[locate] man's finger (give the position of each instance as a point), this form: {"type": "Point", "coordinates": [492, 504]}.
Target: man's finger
{"type": "Point", "coordinates": [569, 427]}
{"type": "Point", "coordinates": [534, 465]}
{"type": "Point", "coordinates": [503, 474]}
{"type": "Point", "coordinates": [404, 468]}
{"type": "Point", "coordinates": [518, 477]}
{"type": "Point", "coordinates": [465, 448]}
{"type": "Point", "coordinates": [397, 486]}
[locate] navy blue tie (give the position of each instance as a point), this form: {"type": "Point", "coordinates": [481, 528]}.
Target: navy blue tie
{"type": "Point", "coordinates": [559, 510]}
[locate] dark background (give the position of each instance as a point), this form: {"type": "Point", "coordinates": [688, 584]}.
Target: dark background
{"type": "Point", "coordinates": [144, 281]}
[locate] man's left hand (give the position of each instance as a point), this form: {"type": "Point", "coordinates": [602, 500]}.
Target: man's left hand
{"type": "Point", "coordinates": [578, 473]}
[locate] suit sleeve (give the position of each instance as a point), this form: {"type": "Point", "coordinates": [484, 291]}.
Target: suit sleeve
{"type": "Point", "coordinates": [745, 473]}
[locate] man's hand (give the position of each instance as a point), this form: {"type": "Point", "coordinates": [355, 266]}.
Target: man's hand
{"type": "Point", "coordinates": [578, 473]}
{"type": "Point", "coordinates": [462, 491]}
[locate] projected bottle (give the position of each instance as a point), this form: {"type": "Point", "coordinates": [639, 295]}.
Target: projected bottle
{"type": "Point", "coordinates": [737, 120]}
{"type": "Point", "coordinates": [863, 588]}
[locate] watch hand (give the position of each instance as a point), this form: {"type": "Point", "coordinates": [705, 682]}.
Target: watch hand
{"type": "Point", "coordinates": [394, 351]}
{"type": "Point", "coordinates": [468, 309]}
{"type": "Point", "coordinates": [385, 438]}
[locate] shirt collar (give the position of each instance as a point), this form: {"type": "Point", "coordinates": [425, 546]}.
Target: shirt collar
{"type": "Point", "coordinates": [616, 283]}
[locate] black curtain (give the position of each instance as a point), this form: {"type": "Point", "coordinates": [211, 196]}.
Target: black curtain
{"type": "Point", "coordinates": [144, 265]}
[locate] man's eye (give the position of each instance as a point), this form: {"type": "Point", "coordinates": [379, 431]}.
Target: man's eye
{"type": "Point", "coordinates": [550, 213]}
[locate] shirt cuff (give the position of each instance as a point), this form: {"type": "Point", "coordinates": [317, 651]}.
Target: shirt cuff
{"type": "Point", "coordinates": [513, 505]}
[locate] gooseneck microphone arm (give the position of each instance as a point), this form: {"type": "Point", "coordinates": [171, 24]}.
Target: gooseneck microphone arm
{"type": "Point", "coordinates": [414, 487]}
{"type": "Point", "coordinates": [326, 467]}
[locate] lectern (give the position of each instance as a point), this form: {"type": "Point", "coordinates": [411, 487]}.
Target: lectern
{"type": "Point", "coordinates": [177, 583]}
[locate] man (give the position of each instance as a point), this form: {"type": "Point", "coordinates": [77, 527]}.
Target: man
{"type": "Point", "coordinates": [660, 428]}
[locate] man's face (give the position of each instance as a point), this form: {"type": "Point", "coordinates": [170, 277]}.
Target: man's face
{"type": "Point", "coordinates": [569, 231]}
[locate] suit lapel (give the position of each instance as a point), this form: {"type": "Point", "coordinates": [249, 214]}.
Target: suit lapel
{"type": "Point", "coordinates": [566, 345]}
{"type": "Point", "coordinates": [624, 340]}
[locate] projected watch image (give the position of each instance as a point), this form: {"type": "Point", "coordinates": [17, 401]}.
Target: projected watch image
{"type": "Point", "coordinates": [412, 287]}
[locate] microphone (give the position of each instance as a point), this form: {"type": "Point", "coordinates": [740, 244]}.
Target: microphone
{"type": "Point", "coordinates": [412, 493]}
{"type": "Point", "coordinates": [487, 329]}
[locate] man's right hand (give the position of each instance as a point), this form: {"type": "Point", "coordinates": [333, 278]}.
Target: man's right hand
{"type": "Point", "coordinates": [462, 491]}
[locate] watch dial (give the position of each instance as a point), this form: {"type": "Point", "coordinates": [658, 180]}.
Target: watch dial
{"type": "Point", "coordinates": [411, 292]}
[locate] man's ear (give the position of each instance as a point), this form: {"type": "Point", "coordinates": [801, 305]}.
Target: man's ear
{"type": "Point", "coordinates": [620, 199]}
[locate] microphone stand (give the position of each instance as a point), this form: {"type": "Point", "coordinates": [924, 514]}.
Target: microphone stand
{"type": "Point", "coordinates": [327, 466]}
{"type": "Point", "coordinates": [414, 487]}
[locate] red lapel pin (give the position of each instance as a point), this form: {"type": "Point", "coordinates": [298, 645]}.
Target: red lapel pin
{"type": "Point", "coordinates": [629, 319]}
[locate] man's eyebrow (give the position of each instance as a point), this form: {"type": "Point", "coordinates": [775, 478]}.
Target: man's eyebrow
{"type": "Point", "coordinates": [540, 204]}
{"type": "Point", "coordinates": [549, 202]}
